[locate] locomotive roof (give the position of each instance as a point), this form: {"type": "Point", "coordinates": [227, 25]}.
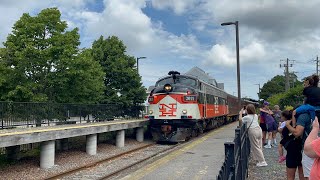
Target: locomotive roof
{"type": "Point", "coordinates": [202, 75]}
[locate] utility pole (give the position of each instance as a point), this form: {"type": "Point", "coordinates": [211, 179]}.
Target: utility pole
{"type": "Point", "coordinates": [317, 67]}
{"type": "Point", "coordinates": [259, 90]}
{"type": "Point", "coordinates": [286, 65]}
{"type": "Point", "coordinates": [293, 77]}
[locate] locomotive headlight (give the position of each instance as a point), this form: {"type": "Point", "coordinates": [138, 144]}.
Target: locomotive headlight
{"type": "Point", "coordinates": [184, 111]}
{"type": "Point", "coordinates": [167, 87]}
{"type": "Point", "coordinates": [150, 111]}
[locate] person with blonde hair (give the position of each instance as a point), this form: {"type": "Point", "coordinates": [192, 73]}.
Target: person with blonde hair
{"type": "Point", "coordinates": [255, 134]}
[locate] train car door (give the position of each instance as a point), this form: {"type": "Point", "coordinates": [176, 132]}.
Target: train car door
{"type": "Point", "coordinates": [205, 101]}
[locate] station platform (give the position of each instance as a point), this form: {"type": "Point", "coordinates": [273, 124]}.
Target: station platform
{"type": "Point", "coordinates": [49, 136]}
{"type": "Point", "coordinates": [18, 136]}
{"type": "Point", "coordinates": [199, 159]}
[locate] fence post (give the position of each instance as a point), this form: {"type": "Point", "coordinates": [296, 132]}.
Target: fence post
{"type": "Point", "coordinates": [243, 151]}
{"type": "Point", "coordinates": [237, 140]}
{"type": "Point", "coordinates": [229, 155]}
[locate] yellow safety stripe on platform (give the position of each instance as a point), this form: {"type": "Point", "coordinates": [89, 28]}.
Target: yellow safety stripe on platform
{"type": "Point", "coordinates": [67, 128]}
{"type": "Point", "coordinates": [155, 165]}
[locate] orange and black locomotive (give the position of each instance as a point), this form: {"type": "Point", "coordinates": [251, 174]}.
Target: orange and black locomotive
{"type": "Point", "coordinates": [182, 106]}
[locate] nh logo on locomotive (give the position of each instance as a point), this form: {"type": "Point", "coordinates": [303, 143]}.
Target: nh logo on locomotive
{"type": "Point", "coordinates": [167, 109]}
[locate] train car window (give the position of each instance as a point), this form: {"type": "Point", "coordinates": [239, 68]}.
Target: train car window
{"type": "Point", "coordinates": [211, 99]}
{"type": "Point", "coordinates": [223, 102]}
{"type": "Point", "coordinates": [201, 98]}
{"type": "Point", "coordinates": [220, 100]}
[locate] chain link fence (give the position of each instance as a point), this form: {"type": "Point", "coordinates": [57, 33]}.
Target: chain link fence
{"type": "Point", "coordinates": [34, 114]}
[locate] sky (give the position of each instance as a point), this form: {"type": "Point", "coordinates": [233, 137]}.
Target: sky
{"type": "Point", "coordinates": [180, 34]}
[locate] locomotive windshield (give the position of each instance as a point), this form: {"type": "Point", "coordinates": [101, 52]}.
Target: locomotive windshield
{"type": "Point", "coordinates": [178, 80]}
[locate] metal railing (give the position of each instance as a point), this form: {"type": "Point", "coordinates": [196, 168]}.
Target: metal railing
{"type": "Point", "coordinates": [235, 166]}
{"type": "Point", "coordinates": [29, 114]}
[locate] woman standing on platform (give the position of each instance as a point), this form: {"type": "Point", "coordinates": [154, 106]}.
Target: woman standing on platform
{"type": "Point", "coordinates": [255, 134]}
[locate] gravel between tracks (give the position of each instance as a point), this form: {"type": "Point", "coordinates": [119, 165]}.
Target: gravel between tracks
{"type": "Point", "coordinates": [107, 168]}
{"type": "Point", "coordinates": [66, 160]}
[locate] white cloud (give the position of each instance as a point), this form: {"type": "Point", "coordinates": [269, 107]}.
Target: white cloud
{"type": "Point", "coordinates": [254, 52]}
{"type": "Point", "coordinates": [220, 55]}
{"type": "Point", "coordinates": [223, 56]}
{"type": "Point", "coordinates": [122, 19]}
{"type": "Point", "coordinates": [178, 6]}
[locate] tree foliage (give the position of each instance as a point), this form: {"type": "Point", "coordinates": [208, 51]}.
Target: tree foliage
{"type": "Point", "coordinates": [277, 85]}
{"type": "Point", "coordinates": [291, 98]}
{"type": "Point", "coordinates": [122, 82]}
{"type": "Point", "coordinates": [41, 61]}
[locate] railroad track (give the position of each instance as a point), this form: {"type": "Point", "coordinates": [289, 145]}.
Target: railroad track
{"type": "Point", "coordinates": [114, 165]}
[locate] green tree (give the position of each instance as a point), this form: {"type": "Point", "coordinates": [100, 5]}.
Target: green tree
{"type": "Point", "coordinates": [293, 97]}
{"type": "Point", "coordinates": [81, 81]}
{"type": "Point", "coordinates": [41, 62]}
{"type": "Point", "coordinates": [277, 85]}
{"type": "Point", "coordinates": [122, 82]}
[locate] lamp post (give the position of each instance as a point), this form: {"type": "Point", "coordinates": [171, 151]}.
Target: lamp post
{"type": "Point", "coordinates": [138, 62]}
{"type": "Point", "coordinates": [236, 23]}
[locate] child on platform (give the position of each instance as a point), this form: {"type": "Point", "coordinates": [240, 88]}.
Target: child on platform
{"type": "Point", "coordinates": [285, 116]}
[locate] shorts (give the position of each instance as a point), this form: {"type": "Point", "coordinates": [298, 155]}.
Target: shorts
{"type": "Point", "coordinates": [294, 156]}
{"type": "Point", "coordinates": [306, 164]}
{"type": "Point", "coordinates": [272, 127]}
{"type": "Point", "coordinates": [263, 126]}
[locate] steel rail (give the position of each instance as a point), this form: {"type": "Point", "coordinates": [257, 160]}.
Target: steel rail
{"type": "Point", "coordinates": [78, 169]}
{"type": "Point", "coordinates": [136, 163]}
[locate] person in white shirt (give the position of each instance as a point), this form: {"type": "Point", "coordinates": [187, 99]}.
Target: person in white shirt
{"type": "Point", "coordinates": [255, 134]}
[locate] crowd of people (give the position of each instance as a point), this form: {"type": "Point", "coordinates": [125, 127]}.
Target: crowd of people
{"type": "Point", "coordinates": [298, 128]}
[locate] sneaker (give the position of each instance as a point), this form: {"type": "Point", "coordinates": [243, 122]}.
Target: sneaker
{"type": "Point", "coordinates": [274, 145]}
{"type": "Point", "coordinates": [262, 164]}
{"type": "Point", "coordinates": [281, 159]}
{"type": "Point", "coordinates": [267, 146]}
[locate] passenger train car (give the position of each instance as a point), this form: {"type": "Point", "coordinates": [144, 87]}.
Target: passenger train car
{"type": "Point", "coordinates": [182, 106]}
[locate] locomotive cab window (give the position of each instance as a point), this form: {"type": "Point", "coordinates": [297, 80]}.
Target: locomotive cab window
{"type": "Point", "coordinates": [178, 80]}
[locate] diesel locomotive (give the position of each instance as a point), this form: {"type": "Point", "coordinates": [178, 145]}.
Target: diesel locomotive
{"type": "Point", "coordinates": [182, 106]}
